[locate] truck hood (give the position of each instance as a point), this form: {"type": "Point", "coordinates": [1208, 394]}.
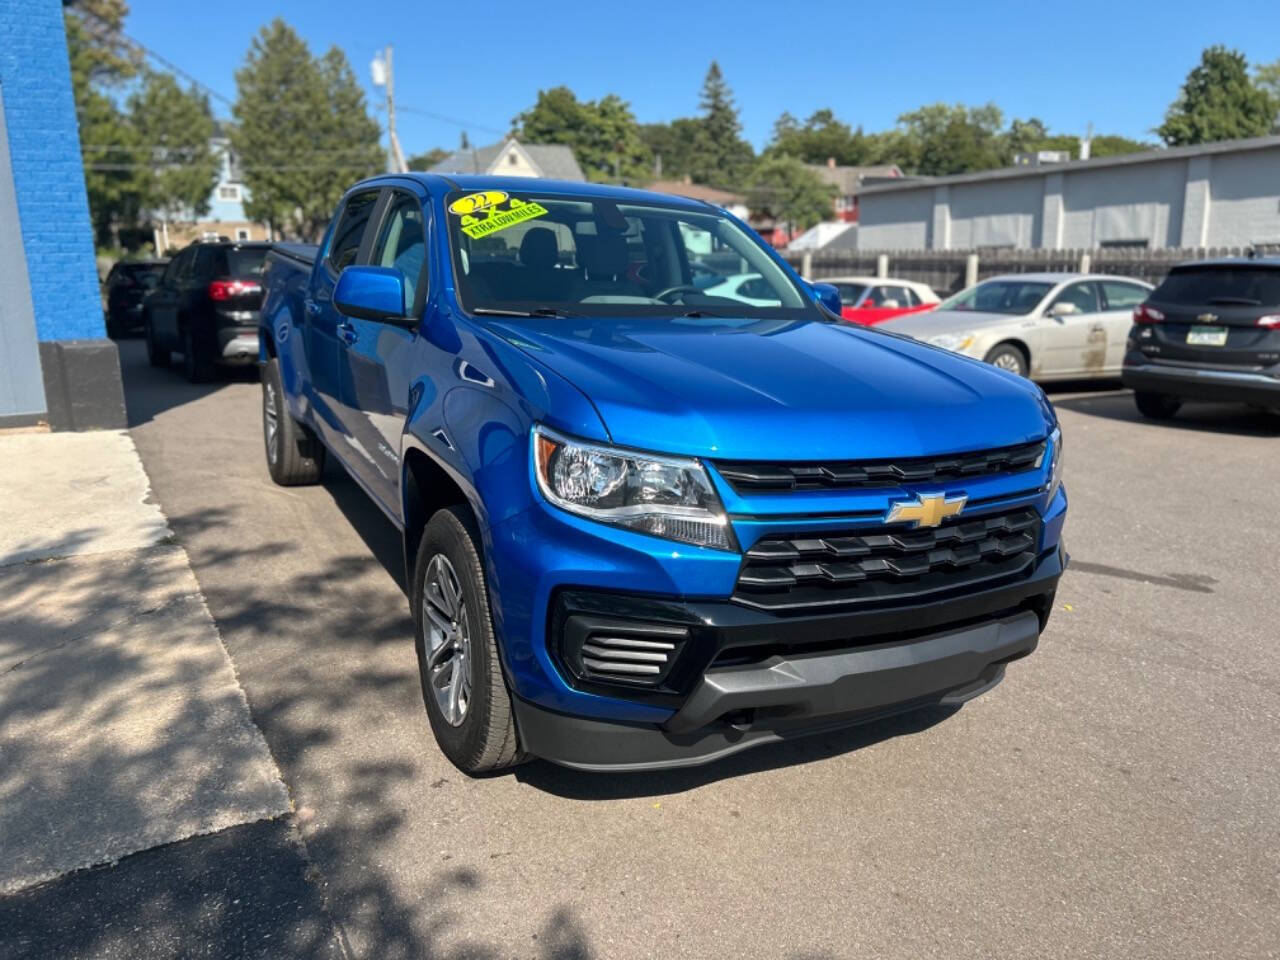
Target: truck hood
{"type": "Point", "coordinates": [780, 389]}
{"type": "Point", "coordinates": [925, 325]}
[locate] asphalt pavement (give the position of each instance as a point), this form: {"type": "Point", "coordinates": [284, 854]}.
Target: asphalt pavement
{"type": "Point", "coordinates": [1117, 795]}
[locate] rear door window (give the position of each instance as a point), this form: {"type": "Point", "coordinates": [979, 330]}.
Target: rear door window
{"type": "Point", "coordinates": [245, 261]}
{"type": "Point", "coordinates": [1245, 286]}
{"type": "Point", "coordinates": [1123, 296]}
{"type": "Point", "coordinates": [849, 293]}
{"type": "Point", "coordinates": [344, 245]}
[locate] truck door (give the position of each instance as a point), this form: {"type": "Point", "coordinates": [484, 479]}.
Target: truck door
{"type": "Point", "coordinates": [323, 320]}
{"type": "Point", "coordinates": [376, 356]}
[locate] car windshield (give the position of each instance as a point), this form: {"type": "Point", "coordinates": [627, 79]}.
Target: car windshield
{"type": "Point", "coordinates": [524, 252]}
{"type": "Point", "coordinates": [1207, 286]}
{"type": "Point", "coordinates": [999, 296]}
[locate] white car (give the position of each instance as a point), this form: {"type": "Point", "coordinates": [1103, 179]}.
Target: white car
{"type": "Point", "coordinates": [1046, 326]}
{"type": "Point", "coordinates": [748, 288]}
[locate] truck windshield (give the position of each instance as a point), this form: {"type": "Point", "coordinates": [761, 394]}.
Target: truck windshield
{"type": "Point", "coordinates": [525, 252]}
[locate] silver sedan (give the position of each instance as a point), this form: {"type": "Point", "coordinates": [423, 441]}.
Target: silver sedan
{"type": "Point", "coordinates": [1046, 326]}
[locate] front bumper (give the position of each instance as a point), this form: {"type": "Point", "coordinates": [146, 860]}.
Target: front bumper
{"type": "Point", "coordinates": [1257, 388]}
{"type": "Point", "coordinates": [792, 676]}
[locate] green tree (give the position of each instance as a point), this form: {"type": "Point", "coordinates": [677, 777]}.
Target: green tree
{"type": "Point", "coordinates": [427, 159]}
{"type": "Point", "coordinates": [820, 138]}
{"type": "Point", "coordinates": [1218, 101]}
{"type": "Point", "coordinates": [674, 144]}
{"type": "Point", "coordinates": [782, 187]}
{"type": "Point", "coordinates": [1267, 78]}
{"type": "Point", "coordinates": [175, 127]}
{"type": "Point", "coordinates": [303, 132]}
{"type": "Point", "coordinates": [720, 156]}
{"type": "Point", "coordinates": [943, 139]}
{"type": "Point", "coordinates": [603, 134]}
{"type": "Point", "coordinates": [102, 61]}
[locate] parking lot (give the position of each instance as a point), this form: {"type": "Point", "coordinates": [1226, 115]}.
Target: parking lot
{"type": "Point", "coordinates": [1116, 796]}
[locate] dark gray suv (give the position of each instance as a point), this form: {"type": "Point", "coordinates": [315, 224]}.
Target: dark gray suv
{"type": "Point", "coordinates": [1211, 331]}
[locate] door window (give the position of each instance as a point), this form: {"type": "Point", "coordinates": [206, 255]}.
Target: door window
{"type": "Point", "coordinates": [205, 257]}
{"type": "Point", "coordinates": [1083, 296]}
{"type": "Point", "coordinates": [347, 235]}
{"type": "Point", "coordinates": [178, 266]}
{"type": "Point", "coordinates": [1123, 296]}
{"type": "Point", "coordinates": [401, 244]}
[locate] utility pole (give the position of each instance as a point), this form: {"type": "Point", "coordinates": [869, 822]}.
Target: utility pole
{"type": "Point", "coordinates": [384, 76]}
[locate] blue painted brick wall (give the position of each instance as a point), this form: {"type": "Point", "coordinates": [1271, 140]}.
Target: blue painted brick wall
{"type": "Point", "coordinates": [44, 144]}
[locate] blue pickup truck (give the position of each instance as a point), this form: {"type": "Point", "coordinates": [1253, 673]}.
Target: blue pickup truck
{"type": "Point", "coordinates": [645, 525]}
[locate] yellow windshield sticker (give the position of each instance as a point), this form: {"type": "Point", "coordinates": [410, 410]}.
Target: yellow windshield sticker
{"type": "Point", "coordinates": [482, 213]}
{"type": "Point", "coordinates": [476, 202]}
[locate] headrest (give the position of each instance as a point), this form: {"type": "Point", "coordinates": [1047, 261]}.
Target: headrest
{"type": "Point", "coordinates": [539, 249]}
{"type": "Point", "coordinates": [606, 256]}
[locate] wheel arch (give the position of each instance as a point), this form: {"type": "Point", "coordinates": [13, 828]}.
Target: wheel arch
{"type": "Point", "coordinates": [426, 486]}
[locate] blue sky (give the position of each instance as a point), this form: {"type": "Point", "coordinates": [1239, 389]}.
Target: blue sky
{"type": "Point", "coordinates": [1117, 65]}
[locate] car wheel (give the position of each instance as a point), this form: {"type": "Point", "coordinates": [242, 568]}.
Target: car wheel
{"type": "Point", "coordinates": [294, 456]}
{"type": "Point", "coordinates": [194, 367]}
{"type": "Point", "coordinates": [1157, 406]}
{"type": "Point", "coordinates": [1008, 357]}
{"type": "Point", "coordinates": [466, 696]}
{"type": "Point", "coordinates": [157, 355]}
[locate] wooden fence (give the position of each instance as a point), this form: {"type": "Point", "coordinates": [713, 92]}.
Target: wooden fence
{"type": "Point", "coordinates": [949, 271]}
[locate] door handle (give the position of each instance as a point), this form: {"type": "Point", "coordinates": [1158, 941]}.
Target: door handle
{"type": "Point", "coordinates": [348, 332]}
{"type": "Point", "coordinates": [312, 308]}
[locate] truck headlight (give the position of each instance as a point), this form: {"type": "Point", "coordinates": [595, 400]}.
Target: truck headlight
{"type": "Point", "coordinates": [955, 342]}
{"type": "Point", "coordinates": [668, 497]}
{"type": "Point", "coordinates": [1055, 464]}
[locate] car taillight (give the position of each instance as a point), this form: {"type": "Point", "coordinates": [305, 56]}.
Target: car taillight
{"type": "Point", "coordinates": [1271, 321]}
{"type": "Point", "coordinates": [226, 289]}
{"type": "Point", "coordinates": [1144, 314]}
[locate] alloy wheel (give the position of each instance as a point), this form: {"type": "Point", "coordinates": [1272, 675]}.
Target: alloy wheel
{"type": "Point", "coordinates": [1007, 361]}
{"type": "Point", "coordinates": [271, 420]}
{"type": "Point", "coordinates": [448, 639]}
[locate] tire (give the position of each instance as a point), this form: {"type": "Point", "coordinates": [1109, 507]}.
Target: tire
{"type": "Point", "coordinates": [295, 457]}
{"type": "Point", "coordinates": [1008, 357]}
{"type": "Point", "coordinates": [157, 356]}
{"type": "Point", "coordinates": [1156, 406]}
{"type": "Point", "coordinates": [475, 727]}
{"type": "Point", "coordinates": [195, 368]}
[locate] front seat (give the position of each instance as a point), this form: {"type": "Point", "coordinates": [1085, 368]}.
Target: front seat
{"type": "Point", "coordinates": [539, 254]}
{"type": "Point", "coordinates": [605, 263]}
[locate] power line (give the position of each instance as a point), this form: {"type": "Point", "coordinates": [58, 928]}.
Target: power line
{"type": "Point", "coordinates": [447, 119]}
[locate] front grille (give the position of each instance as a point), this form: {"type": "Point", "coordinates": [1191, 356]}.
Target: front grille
{"type": "Point", "coordinates": [886, 564]}
{"type": "Point", "coordinates": [747, 477]}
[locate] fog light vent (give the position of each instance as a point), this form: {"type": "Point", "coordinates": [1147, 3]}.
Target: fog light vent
{"type": "Point", "coordinates": [606, 650]}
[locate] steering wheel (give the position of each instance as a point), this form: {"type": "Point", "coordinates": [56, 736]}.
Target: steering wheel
{"type": "Point", "coordinates": [678, 288]}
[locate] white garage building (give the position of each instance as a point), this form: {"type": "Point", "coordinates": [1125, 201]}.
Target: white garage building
{"type": "Point", "coordinates": [1214, 195]}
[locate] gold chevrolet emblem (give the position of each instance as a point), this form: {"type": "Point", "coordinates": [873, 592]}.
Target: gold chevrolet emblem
{"type": "Point", "coordinates": [929, 510]}
{"type": "Point", "coordinates": [1207, 318]}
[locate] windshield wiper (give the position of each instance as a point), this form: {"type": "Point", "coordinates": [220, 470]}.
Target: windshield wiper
{"type": "Point", "coordinates": [1236, 301]}
{"type": "Point", "coordinates": [535, 312]}
{"type": "Point", "coordinates": [699, 312]}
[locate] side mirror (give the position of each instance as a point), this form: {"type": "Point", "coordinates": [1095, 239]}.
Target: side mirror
{"type": "Point", "coordinates": [371, 293]}
{"type": "Point", "coordinates": [1063, 309]}
{"type": "Point", "coordinates": [827, 295]}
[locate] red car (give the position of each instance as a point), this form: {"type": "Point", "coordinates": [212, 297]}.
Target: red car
{"type": "Point", "coordinates": [869, 300]}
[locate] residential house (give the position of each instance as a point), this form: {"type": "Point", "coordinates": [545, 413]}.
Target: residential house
{"type": "Point", "coordinates": [226, 216]}
{"type": "Point", "coordinates": [511, 158]}
{"type": "Point", "coordinates": [848, 183]}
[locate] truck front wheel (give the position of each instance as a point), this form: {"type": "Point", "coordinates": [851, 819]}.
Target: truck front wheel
{"type": "Point", "coordinates": [467, 700]}
{"type": "Point", "coordinates": [294, 456]}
